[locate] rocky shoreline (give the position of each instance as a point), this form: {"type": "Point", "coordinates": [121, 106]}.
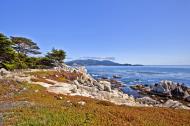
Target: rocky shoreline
{"type": "Point", "coordinates": [164, 91]}
{"type": "Point", "coordinates": [83, 84]}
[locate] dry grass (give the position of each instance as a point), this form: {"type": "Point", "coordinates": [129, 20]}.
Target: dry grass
{"type": "Point", "coordinates": [60, 76]}
{"type": "Point", "coordinates": [49, 111]}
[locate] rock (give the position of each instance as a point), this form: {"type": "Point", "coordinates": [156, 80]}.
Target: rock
{"type": "Point", "coordinates": [147, 100]}
{"type": "Point", "coordinates": [99, 86]}
{"type": "Point", "coordinates": [188, 90]}
{"type": "Point", "coordinates": [162, 101]}
{"type": "Point", "coordinates": [81, 81]}
{"type": "Point", "coordinates": [59, 98]}
{"type": "Point", "coordinates": [131, 98]}
{"type": "Point", "coordinates": [174, 104]}
{"type": "Point", "coordinates": [116, 84]}
{"type": "Point", "coordinates": [82, 103]}
{"type": "Point", "coordinates": [82, 69]}
{"type": "Point", "coordinates": [146, 89]}
{"type": "Point", "coordinates": [62, 88]}
{"type": "Point", "coordinates": [107, 88]}
{"type": "Point", "coordinates": [158, 88]}
{"type": "Point", "coordinates": [137, 87]}
{"type": "Point", "coordinates": [104, 78]}
{"type": "Point", "coordinates": [46, 85]}
{"type": "Point", "coordinates": [186, 94]}
{"type": "Point", "coordinates": [107, 85]}
{"type": "Point", "coordinates": [103, 95]}
{"type": "Point", "coordinates": [178, 92]}
{"type": "Point", "coordinates": [36, 91]}
{"type": "Point", "coordinates": [141, 88]}
{"type": "Point", "coordinates": [188, 105]}
{"type": "Point", "coordinates": [75, 82]}
{"type": "Point", "coordinates": [3, 72]}
{"type": "Point", "coordinates": [187, 98]}
{"type": "Point", "coordinates": [74, 90]}
{"type": "Point", "coordinates": [116, 76]}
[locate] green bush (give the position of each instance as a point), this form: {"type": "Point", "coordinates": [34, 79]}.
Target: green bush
{"type": "Point", "coordinates": [9, 66]}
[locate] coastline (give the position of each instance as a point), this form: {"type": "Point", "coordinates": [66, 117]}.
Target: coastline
{"type": "Point", "coordinates": [83, 84]}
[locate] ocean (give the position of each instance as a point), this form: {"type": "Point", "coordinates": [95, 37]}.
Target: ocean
{"type": "Point", "coordinates": [131, 75]}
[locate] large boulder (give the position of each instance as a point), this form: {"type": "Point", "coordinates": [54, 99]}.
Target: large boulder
{"type": "Point", "coordinates": [158, 88]}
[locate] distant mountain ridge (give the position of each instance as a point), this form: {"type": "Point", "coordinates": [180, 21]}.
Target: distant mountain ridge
{"type": "Point", "coordinates": [91, 62]}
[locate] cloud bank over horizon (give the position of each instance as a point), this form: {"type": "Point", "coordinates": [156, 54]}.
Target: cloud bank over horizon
{"type": "Point", "coordinates": [93, 58]}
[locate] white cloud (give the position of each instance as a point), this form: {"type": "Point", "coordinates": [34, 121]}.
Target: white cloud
{"type": "Point", "coordinates": [98, 58]}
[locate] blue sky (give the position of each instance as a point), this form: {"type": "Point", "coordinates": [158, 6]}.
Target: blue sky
{"type": "Point", "coordinates": [131, 31]}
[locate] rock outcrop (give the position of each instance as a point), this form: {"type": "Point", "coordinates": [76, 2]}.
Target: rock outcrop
{"type": "Point", "coordinates": [166, 90]}
{"type": "Point", "coordinates": [173, 104]}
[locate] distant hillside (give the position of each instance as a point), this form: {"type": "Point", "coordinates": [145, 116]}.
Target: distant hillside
{"type": "Point", "coordinates": [90, 62]}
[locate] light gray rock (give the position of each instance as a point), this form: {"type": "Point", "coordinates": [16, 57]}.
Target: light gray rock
{"type": "Point", "coordinates": [186, 94]}
{"type": "Point", "coordinates": [3, 72]}
{"type": "Point", "coordinates": [174, 104]}
{"type": "Point", "coordinates": [103, 95]}
{"type": "Point", "coordinates": [82, 81]}
{"type": "Point", "coordinates": [159, 89]}
{"type": "Point", "coordinates": [99, 86]}
{"type": "Point", "coordinates": [147, 100]}
{"type": "Point", "coordinates": [63, 88]}
{"type": "Point", "coordinates": [107, 85]}
{"type": "Point", "coordinates": [76, 82]}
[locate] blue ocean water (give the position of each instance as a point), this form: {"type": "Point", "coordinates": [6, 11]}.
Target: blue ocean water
{"type": "Point", "coordinates": [143, 74]}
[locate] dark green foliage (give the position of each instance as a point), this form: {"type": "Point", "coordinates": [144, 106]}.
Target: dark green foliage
{"type": "Point", "coordinates": [25, 45]}
{"type": "Point", "coordinates": [20, 61]}
{"type": "Point", "coordinates": [45, 62]}
{"type": "Point", "coordinates": [39, 62]}
{"type": "Point", "coordinates": [57, 56]}
{"type": "Point", "coordinates": [9, 66]}
{"type": "Point", "coordinates": [32, 62]}
{"type": "Point", "coordinates": [7, 53]}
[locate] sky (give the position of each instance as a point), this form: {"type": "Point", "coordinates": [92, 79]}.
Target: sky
{"type": "Point", "coordinates": [149, 32]}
